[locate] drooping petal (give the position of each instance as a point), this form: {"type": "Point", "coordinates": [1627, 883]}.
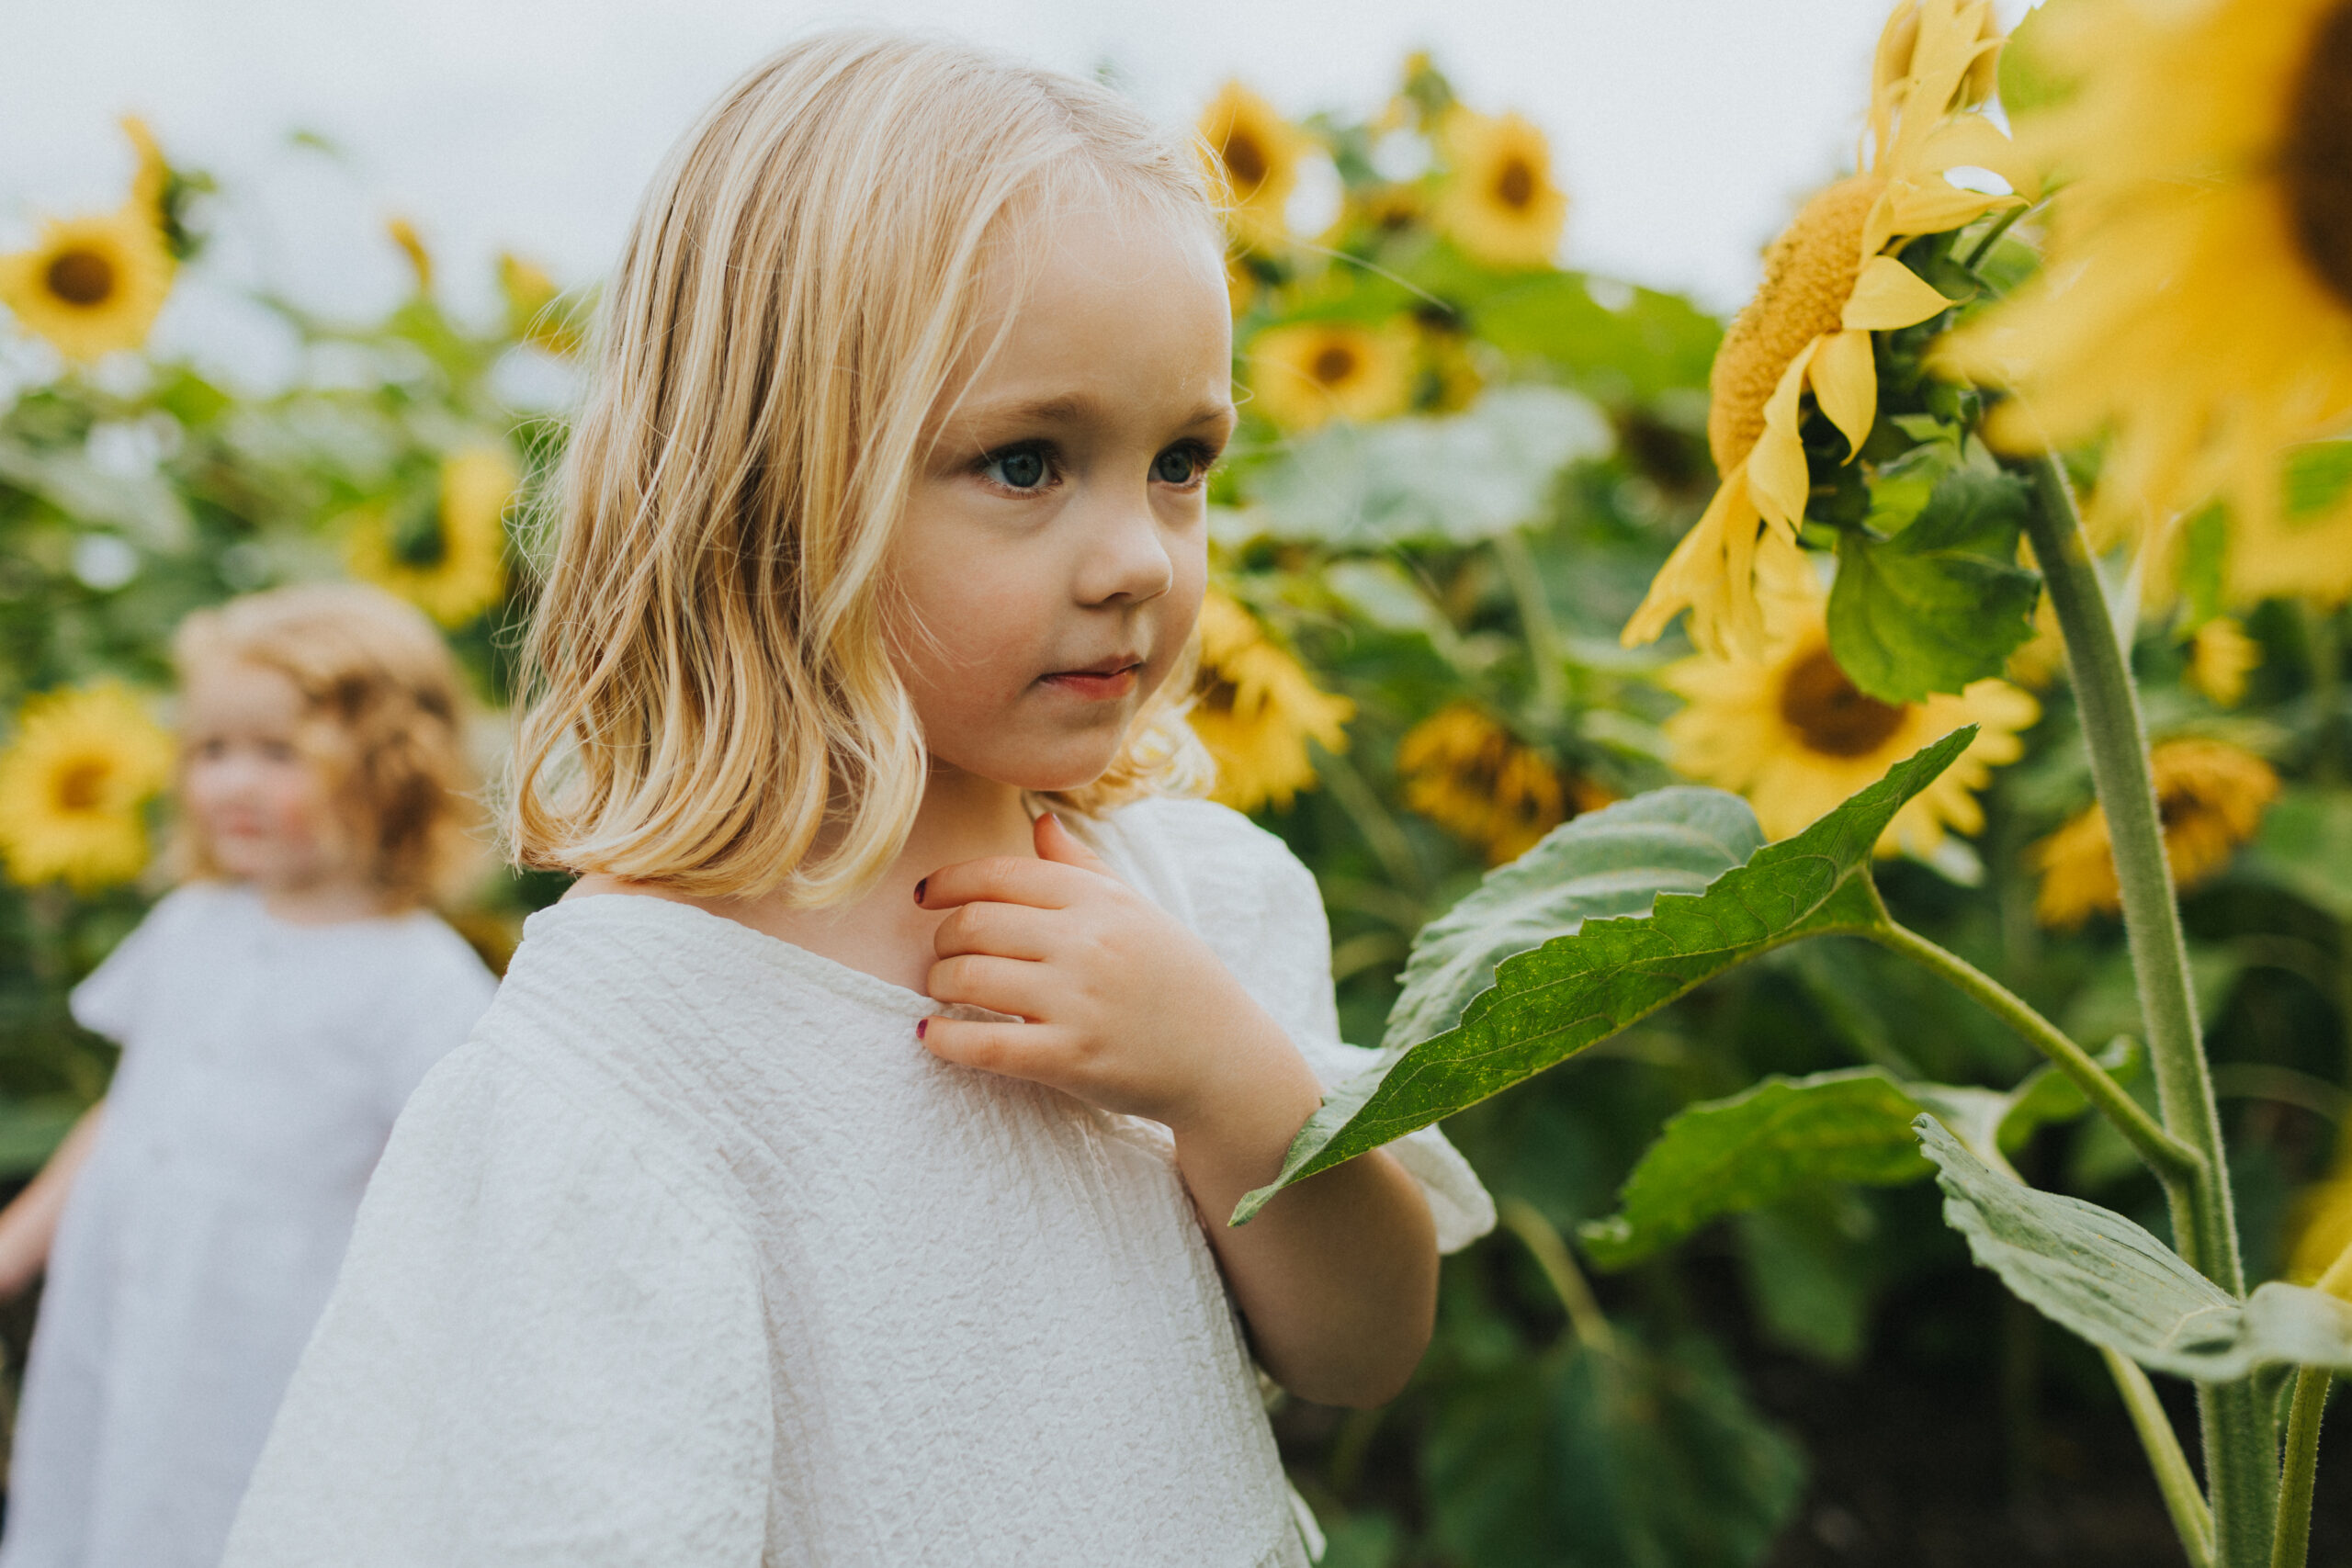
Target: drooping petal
{"type": "Point", "coordinates": [1700, 577]}
{"type": "Point", "coordinates": [1845, 383]}
{"type": "Point", "coordinates": [1971, 141]}
{"type": "Point", "coordinates": [1930, 206]}
{"type": "Point", "coordinates": [1776, 469]}
{"type": "Point", "coordinates": [1889, 295]}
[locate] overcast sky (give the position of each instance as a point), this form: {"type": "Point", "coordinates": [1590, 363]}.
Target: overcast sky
{"type": "Point", "coordinates": [1684, 129]}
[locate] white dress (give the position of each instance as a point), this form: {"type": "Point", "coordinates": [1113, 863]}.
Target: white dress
{"type": "Point", "coordinates": [692, 1255]}
{"type": "Point", "coordinates": [262, 1065]}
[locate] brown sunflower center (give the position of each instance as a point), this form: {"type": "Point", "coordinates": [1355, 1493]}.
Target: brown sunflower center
{"type": "Point", "coordinates": [1515, 183]}
{"type": "Point", "coordinates": [419, 538]}
{"type": "Point", "coordinates": [2317, 162]}
{"type": "Point", "coordinates": [1245, 161]}
{"type": "Point", "coordinates": [83, 278]}
{"type": "Point", "coordinates": [1829, 714]}
{"type": "Point", "coordinates": [1809, 272]}
{"type": "Point", "coordinates": [1334, 362]}
{"type": "Point", "coordinates": [82, 785]}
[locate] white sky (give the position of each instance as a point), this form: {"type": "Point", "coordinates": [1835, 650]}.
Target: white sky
{"type": "Point", "coordinates": [1685, 130]}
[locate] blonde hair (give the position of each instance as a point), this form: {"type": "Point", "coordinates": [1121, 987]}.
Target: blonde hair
{"type": "Point", "coordinates": [383, 716]}
{"type": "Point", "coordinates": [714, 705]}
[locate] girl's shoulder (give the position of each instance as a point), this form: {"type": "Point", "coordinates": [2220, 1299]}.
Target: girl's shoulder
{"type": "Point", "coordinates": [1202, 855]}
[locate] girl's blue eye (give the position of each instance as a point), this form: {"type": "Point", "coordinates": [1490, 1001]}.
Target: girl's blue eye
{"type": "Point", "coordinates": [1024, 467]}
{"type": "Point", "coordinates": [1177, 466]}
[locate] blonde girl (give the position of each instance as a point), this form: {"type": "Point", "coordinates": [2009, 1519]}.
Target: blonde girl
{"type": "Point", "coordinates": [274, 1013]}
{"type": "Point", "coordinates": [841, 1175]}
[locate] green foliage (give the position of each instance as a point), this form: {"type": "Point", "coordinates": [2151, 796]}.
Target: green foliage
{"type": "Point", "coordinates": [1940, 602]}
{"type": "Point", "coordinates": [1576, 990]}
{"type": "Point", "coordinates": [2110, 1281]}
{"type": "Point", "coordinates": [1600, 1458]}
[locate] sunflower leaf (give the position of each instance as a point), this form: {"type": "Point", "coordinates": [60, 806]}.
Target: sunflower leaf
{"type": "Point", "coordinates": [1612, 861]}
{"type": "Point", "coordinates": [1578, 990]}
{"type": "Point", "coordinates": [2094, 1272]}
{"type": "Point", "coordinates": [1941, 604]}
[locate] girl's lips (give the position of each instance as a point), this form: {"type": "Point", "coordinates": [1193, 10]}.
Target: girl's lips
{"type": "Point", "coordinates": [1096, 685]}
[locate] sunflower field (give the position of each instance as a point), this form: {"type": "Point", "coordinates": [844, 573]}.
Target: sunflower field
{"type": "Point", "coordinates": [1846, 813]}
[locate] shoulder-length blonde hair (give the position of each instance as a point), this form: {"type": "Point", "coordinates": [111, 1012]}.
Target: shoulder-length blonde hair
{"type": "Point", "coordinates": [384, 716]}
{"type": "Point", "coordinates": [713, 705]}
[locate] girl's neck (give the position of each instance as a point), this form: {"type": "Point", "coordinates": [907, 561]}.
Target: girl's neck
{"type": "Point", "coordinates": [324, 902]}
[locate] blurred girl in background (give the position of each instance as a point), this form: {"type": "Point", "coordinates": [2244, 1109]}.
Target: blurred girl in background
{"type": "Point", "coordinates": [274, 1013]}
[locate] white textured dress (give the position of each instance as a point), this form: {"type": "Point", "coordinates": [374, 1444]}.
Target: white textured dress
{"type": "Point", "coordinates": [694, 1256]}
{"type": "Point", "coordinates": [263, 1067]}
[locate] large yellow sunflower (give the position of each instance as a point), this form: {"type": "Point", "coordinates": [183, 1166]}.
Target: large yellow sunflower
{"type": "Point", "coordinates": [1254, 153]}
{"type": "Point", "coordinates": [71, 783]}
{"type": "Point", "coordinates": [1499, 202]}
{"type": "Point", "coordinates": [2210, 796]}
{"type": "Point", "coordinates": [1787, 730]}
{"type": "Point", "coordinates": [2197, 302]}
{"type": "Point", "coordinates": [450, 562]}
{"type": "Point", "coordinates": [1306, 372]}
{"type": "Point", "coordinates": [1257, 710]}
{"type": "Point", "coordinates": [1830, 282]}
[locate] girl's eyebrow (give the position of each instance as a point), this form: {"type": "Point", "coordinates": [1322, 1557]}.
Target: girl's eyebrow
{"type": "Point", "coordinates": [1079, 408]}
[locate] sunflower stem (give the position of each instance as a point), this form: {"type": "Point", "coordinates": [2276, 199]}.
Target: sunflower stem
{"type": "Point", "coordinates": [2191, 1519]}
{"type": "Point", "coordinates": [2174, 1163]}
{"type": "Point", "coordinates": [2291, 1545]}
{"type": "Point", "coordinates": [1536, 621]}
{"type": "Point", "coordinates": [1550, 1250]}
{"type": "Point", "coordinates": [2241, 1463]}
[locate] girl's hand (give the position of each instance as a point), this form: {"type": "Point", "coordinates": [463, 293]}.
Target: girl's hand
{"type": "Point", "coordinates": [1121, 1006]}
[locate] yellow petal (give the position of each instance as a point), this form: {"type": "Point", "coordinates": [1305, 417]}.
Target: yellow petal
{"type": "Point", "coordinates": [1845, 383]}
{"type": "Point", "coordinates": [1776, 470]}
{"type": "Point", "coordinates": [1889, 295]}
{"type": "Point", "coordinates": [1971, 141]}
{"type": "Point", "coordinates": [1712, 575]}
{"type": "Point", "coordinates": [1934, 206]}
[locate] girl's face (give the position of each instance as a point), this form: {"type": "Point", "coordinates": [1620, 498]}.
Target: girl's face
{"type": "Point", "coordinates": [262, 804]}
{"type": "Point", "coordinates": [1055, 547]}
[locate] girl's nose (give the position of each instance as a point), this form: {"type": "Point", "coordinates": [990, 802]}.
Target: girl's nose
{"type": "Point", "coordinates": [1128, 559]}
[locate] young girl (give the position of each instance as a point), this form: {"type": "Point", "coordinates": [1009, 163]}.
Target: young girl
{"type": "Point", "coordinates": [842, 1175]}
{"type": "Point", "coordinates": [274, 1013]}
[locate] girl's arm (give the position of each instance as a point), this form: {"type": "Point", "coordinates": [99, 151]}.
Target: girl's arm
{"type": "Point", "coordinates": [28, 1223]}
{"type": "Point", "coordinates": [1127, 1010]}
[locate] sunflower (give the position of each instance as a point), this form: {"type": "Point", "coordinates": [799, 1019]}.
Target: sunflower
{"type": "Point", "coordinates": [71, 783]}
{"type": "Point", "coordinates": [1499, 204]}
{"type": "Point", "coordinates": [92, 285]}
{"type": "Point", "coordinates": [151, 184]}
{"type": "Point", "coordinates": [1830, 282]}
{"type": "Point", "coordinates": [1304, 373]}
{"type": "Point", "coordinates": [1468, 774]}
{"type": "Point", "coordinates": [450, 560]}
{"type": "Point", "coordinates": [1790, 731]}
{"type": "Point", "coordinates": [2196, 303]}
{"type": "Point", "coordinates": [1254, 153]}
{"type": "Point", "coordinates": [2220, 655]}
{"type": "Point", "coordinates": [1257, 710]}
{"type": "Point", "coordinates": [2209, 795]}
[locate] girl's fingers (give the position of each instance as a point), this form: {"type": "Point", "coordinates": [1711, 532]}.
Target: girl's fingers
{"type": "Point", "coordinates": [1001, 931]}
{"type": "Point", "coordinates": [1005, 879]}
{"type": "Point", "coordinates": [1000, 985]}
{"type": "Point", "coordinates": [1011, 1049]}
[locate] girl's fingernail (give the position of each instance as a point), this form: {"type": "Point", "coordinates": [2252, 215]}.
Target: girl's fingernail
{"type": "Point", "coordinates": [922, 1024]}
{"type": "Point", "coordinates": [920, 886]}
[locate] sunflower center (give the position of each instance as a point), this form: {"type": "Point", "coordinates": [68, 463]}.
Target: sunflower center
{"type": "Point", "coordinates": [1809, 274]}
{"type": "Point", "coordinates": [2318, 157]}
{"type": "Point", "coordinates": [83, 278]}
{"type": "Point", "coordinates": [1334, 364]}
{"type": "Point", "coordinates": [1515, 183]}
{"type": "Point", "coordinates": [1246, 161]}
{"type": "Point", "coordinates": [1829, 714]}
{"type": "Point", "coordinates": [418, 539]}
{"type": "Point", "coordinates": [82, 786]}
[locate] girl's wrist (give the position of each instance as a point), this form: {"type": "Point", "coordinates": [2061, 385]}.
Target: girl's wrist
{"type": "Point", "coordinates": [1257, 1094]}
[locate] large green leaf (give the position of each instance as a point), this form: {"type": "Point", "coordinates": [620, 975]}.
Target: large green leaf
{"type": "Point", "coordinates": [1616, 342]}
{"type": "Point", "coordinates": [1943, 602]}
{"type": "Point", "coordinates": [1612, 861]}
{"type": "Point", "coordinates": [1630, 1456]}
{"type": "Point", "coordinates": [1549, 1004]}
{"type": "Point", "coordinates": [1453, 480]}
{"type": "Point", "coordinates": [2113, 1282]}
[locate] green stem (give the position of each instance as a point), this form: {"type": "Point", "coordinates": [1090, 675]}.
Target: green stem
{"type": "Point", "coordinates": [2240, 1461]}
{"type": "Point", "coordinates": [2191, 1519]}
{"type": "Point", "coordinates": [2175, 1163]}
{"type": "Point", "coordinates": [2291, 1543]}
{"type": "Point", "coordinates": [1380, 830]}
{"type": "Point", "coordinates": [1543, 648]}
{"type": "Point", "coordinates": [1589, 1324]}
